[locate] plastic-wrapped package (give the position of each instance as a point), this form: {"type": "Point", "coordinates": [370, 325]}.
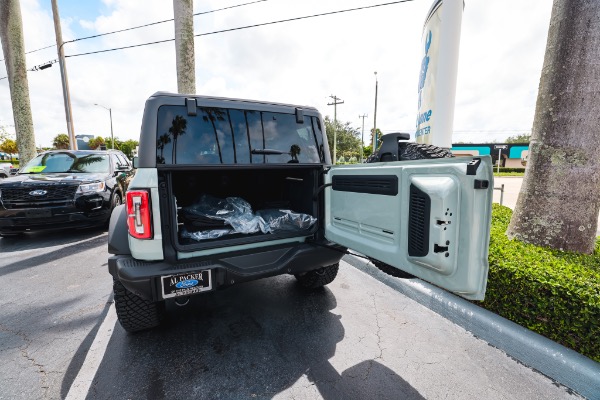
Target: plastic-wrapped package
{"type": "Point", "coordinates": [203, 235]}
{"type": "Point", "coordinates": [212, 218]}
{"type": "Point", "coordinates": [212, 212]}
{"type": "Point", "coordinates": [286, 220]}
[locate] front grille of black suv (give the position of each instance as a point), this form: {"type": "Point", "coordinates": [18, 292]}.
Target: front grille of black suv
{"type": "Point", "coordinates": [25, 197]}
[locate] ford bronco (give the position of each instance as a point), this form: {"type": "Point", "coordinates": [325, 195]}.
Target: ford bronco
{"type": "Point", "coordinates": [229, 191]}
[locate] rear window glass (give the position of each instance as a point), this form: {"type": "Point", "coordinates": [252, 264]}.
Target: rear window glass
{"type": "Point", "coordinates": [231, 136]}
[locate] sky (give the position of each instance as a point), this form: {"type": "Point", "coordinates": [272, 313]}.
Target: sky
{"type": "Point", "coordinates": [300, 62]}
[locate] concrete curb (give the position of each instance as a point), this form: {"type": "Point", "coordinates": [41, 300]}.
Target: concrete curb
{"type": "Point", "coordinates": [564, 365]}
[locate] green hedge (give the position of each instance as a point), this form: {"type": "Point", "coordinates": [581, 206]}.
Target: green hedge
{"type": "Point", "coordinates": [553, 293]}
{"type": "Point", "coordinates": [506, 169]}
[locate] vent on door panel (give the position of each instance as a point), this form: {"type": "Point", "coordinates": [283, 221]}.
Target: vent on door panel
{"type": "Point", "coordinates": [418, 222]}
{"type": "Point", "coordinates": [373, 184]}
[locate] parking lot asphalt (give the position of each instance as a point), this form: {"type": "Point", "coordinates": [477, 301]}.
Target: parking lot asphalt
{"type": "Point", "coordinates": [354, 339]}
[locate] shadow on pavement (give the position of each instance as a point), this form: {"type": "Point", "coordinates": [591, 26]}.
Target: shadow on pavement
{"type": "Point", "coordinates": [62, 252]}
{"type": "Point", "coordinates": [252, 341]}
{"type": "Point", "coordinates": [41, 240]}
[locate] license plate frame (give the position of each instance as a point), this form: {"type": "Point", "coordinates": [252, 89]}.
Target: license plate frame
{"type": "Point", "coordinates": [186, 284]}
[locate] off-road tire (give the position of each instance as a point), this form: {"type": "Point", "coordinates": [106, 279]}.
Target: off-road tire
{"type": "Point", "coordinates": [318, 277]}
{"type": "Point", "coordinates": [418, 151]}
{"type": "Point", "coordinates": [134, 313]}
{"type": "Point", "coordinates": [388, 269]}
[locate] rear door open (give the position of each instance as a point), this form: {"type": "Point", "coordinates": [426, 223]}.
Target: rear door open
{"type": "Point", "coordinates": [430, 218]}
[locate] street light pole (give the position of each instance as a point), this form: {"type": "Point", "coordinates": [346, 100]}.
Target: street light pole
{"type": "Point", "coordinates": [375, 117]}
{"type": "Point", "coordinates": [112, 137]}
{"type": "Point", "coordinates": [362, 138]}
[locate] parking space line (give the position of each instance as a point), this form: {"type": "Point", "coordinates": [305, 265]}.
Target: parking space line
{"type": "Point", "coordinates": [81, 385]}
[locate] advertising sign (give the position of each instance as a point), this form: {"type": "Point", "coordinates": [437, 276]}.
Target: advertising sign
{"type": "Point", "coordinates": [437, 78]}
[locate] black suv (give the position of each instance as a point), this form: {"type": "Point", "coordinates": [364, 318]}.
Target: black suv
{"type": "Point", "coordinates": [63, 189]}
{"type": "Point", "coordinates": [228, 191]}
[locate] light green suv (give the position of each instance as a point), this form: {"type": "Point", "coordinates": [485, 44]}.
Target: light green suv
{"type": "Point", "coordinates": [228, 191]}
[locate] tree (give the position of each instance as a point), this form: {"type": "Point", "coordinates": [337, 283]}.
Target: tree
{"type": "Point", "coordinates": [4, 134]}
{"type": "Point", "coordinates": [61, 141]}
{"type": "Point", "coordinates": [13, 48]}
{"type": "Point", "coordinates": [184, 46]}
{"type": "Point", "coordinates": [348, 138]}
{"type": "Point", "coordinates": [379, 134]}
{"type": "Point", "coordinates": [96, 142]}
{"type": "Point", "coordinates": [560, 197]}
{"type": "Point", "coordinates": [521, 138]}
{"type": "Point", "coordinates": [128, 147]}
{"type": "Point", "coordinates": [9, 146]}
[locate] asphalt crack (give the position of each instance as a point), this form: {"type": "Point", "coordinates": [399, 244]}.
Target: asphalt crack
{"type": "Point", "coordinates": [25, 354]}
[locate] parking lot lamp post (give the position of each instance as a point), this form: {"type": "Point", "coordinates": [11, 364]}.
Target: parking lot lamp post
{"type": "Point", "coordinates": [112, 137]}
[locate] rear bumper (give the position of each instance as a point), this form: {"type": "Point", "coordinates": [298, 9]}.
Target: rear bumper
{"type": "Point", "coordinates": [143, 277]}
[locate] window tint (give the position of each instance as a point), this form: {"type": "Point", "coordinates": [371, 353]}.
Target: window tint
{"type": "Point", "coordinates": [240, 136]}
{"type": "Point", "coordinates": [228, 136]}
{"type": "Point", "coordinates": [283, 133]}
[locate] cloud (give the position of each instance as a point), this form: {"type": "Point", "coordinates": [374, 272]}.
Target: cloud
{"type": "Point", "coordinates": [301, 62]}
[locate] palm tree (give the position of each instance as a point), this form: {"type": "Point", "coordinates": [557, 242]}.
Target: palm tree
{"type": "Point", "coordinates": [177, 128]}
{"type": "Point", "coordinates": [162, 141]}
{"type": "Point", "coordinates": [61, 141]}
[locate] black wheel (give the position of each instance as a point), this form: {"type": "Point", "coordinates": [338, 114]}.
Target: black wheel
{"type": "Point", "coordinates": [134, 313]}
{"type": "Point", "coordinates": [418, 151]}
{"type": "Point", "coordinates": [115, 200]}
{"type": "Point", "coordinates": [319, 277]}
{"type": "Point", "coordinates": [388, 269]}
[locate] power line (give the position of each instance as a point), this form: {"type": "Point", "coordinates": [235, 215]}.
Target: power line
{"type": "Point", "coordinates": [145, 25]}
{"type": "Point", "coordinates": [39, 67]}
{"type": "Point", "coordinates": [33, 51]}
{"type": "Point", "coordinates": [246, 27]}
{"type": "Point", "coordinates": [161, 22]}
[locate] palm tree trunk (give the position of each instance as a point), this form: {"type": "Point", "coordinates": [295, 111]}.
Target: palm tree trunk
{"type": "Point", "coordinates": [11, 35]}
{"type": "Point", "coordinates": [560, 197]}
{"type": "Point", "coordinates": [184, 46]}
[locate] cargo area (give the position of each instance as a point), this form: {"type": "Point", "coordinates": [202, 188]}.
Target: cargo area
{"type": "Point", "coordinates": [267, 191]}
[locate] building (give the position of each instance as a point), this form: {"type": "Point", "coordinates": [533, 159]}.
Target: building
{"type": "Point", "coordinates": [512, 155]}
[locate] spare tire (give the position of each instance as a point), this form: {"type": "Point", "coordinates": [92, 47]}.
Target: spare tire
{"type": "Point", "coordinates": [418, 151]}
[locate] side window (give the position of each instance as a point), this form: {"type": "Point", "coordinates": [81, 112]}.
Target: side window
{"type": "Point", "coordinates": [316, 125]}
{"type": "Point", "coordinates": [283, 133]}
{"type": "Point", "coordinates": [171, 122]}
{"type": "Point", "coordinates": [121, 160]}
{"type": "Point", "coordinates": [241, 136]}
{"type": "Point", "coordinates": [255, 132]}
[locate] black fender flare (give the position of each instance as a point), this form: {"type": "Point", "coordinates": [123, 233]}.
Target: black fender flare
{"type": "Point", "coordinates": [118, 242]}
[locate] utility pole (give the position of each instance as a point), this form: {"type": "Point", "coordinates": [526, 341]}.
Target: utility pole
{"type": "Point", "coordinates": [184, 46]}
{"type": "Point", "coordinates": [375, 117]}
{"type": "Point", "coordinates": [112, 136]}
{"type": "Point", "coordinates": [11, 33]}
{"type": "Point", "coordinates": [63, 75]}
{"type": "Point", "coordinates": [362, 137]}
{"type": "Point", "coordinates": [334, 104]}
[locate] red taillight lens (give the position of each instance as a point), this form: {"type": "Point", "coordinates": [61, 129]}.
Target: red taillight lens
{"type": "Point", "coordinates": [138, 214]}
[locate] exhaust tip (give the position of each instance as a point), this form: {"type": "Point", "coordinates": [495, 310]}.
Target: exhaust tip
{"type": "Point", "coordinates": [182, 301]}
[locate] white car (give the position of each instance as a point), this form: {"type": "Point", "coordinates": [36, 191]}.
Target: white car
{"type": "Point", "coordinates": [5, 168]}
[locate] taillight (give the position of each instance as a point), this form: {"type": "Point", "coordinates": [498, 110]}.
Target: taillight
{"type": "Point", "coordinates": [138, 214]}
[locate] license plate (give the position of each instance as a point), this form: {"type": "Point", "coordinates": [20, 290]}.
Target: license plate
{"type": "Point", "coordinates": [186, 284]}
{"type": "Point", "coordinates": [38, 213]}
